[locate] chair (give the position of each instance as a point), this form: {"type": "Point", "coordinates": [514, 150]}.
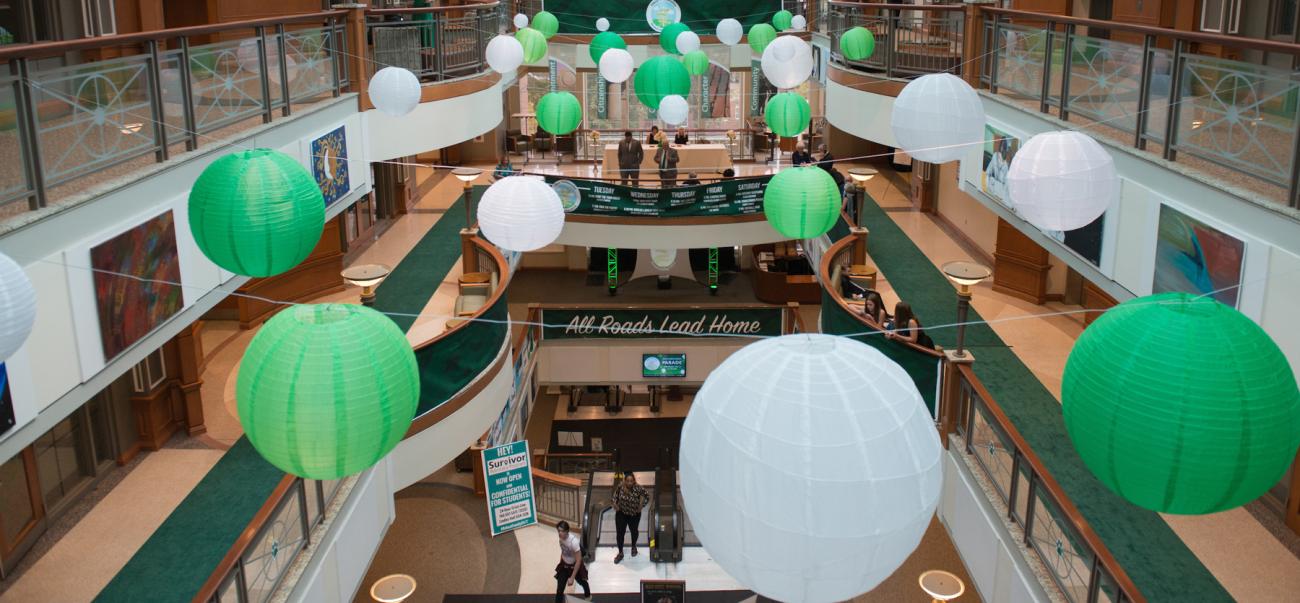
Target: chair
{"type": "Point", "coordinates": [565, 145]}
{"type": "Point", "coordinates": [543, 142]}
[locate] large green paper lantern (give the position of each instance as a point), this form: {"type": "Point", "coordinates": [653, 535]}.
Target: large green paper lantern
{"type": "Point", "coordinates": [326, 390]}
{"type": "Point", "coordinates": [559, 113]}
{"type": "Point", "coordinates": [787, 114]}
{"type": "Point", "coordinates": [696, 62]}
{"type": "Point", "coordinates": [781, 20]}
{"type": "Point", "coordinates": [760, 36]}
{"type": "Point", "coordinates": [659, 77]}
{"type": "Point", "coordinates": [857, 44]}
{"type": "Point", "coordinates": [668, 37]}
{"type": "Point", "coordinates": [546, 23]}
{"type": "Point", "coordinates": [256, 213]}
{"type": "Point", "coordinates": [603, 41]}
{"type": "Point", "coordinates": [1181, 404]}
{"type": "Point", "coordinates": [534, 43]}
{"type": "Point", "coordinates": [802, 202]}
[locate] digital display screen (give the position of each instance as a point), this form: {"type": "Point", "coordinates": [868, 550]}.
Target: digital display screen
{"type": "Point", "coordinates": [663, 365]}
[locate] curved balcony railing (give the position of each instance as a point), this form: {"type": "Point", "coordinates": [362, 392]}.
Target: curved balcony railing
{"type": "Point", "coordinates": [911, 39]}
{"type": "Point", "coordinates": [435, 43]}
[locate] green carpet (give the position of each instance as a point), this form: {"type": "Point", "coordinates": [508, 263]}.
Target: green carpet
{"type": "Point", "coordinates": [183, 552]}
{"type": "Point", "coordinates": [415, 279]}
{"type": "Point", "coordinates": [1161, 566]}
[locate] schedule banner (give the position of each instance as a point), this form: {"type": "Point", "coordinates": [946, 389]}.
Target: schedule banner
{"type": "Point", "coordinates": [509, 475]}
{"type": "Point", "coordinates": [653, 323]}
{"type": "Point", "coordinates": [736, 197]}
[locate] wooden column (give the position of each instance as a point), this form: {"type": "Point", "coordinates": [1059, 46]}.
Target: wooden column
{"type": "Point", "coordinates": [972, 38]}
{"type": "Point", "coordinates": [859, 251]}
{"type": "Point", "coordinates": [923, 189]}
{"type": "Point", "coordinates": [358, 70]}
{"type": "Point", "coordinates": [189, 347]}
{"type": "Point", "coordinates": [468, 250]}
{"type": "Point", "coordinates": [950, 392]}
{"type": "Point", "coordinates": [1293, 500]}
{"type": "Point", "coordinates": [1019, 265]}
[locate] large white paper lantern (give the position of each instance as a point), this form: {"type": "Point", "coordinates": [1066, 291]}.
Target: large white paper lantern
{"type": "Point", "coordinates": [687, 41]}
{"type": "Point", "coordinates": [17, 307]}
{"type": "Point", "coordinates": [521, 213]}
{"type": "Point", "coordinates": [730, 31]}
{"type": "Point", "coordinates": [938, 118]}
{"type": "Point", "coordinates": [798, 22]}
{"type": "Point", "coordinates": [787, 62]}
{"type": "Point", "coordinates": [1062, 180]}
{"type": "Point", "coordinates": [616, 65]}
{"type": "Point", "coordinates": [394, 91]}
{"type": "Point", "coordinates": [673, 109]}
{"type": "Point", "coordinates": [520, 20]}
{"type": "Point", "coordinates": [505, 54]}
{"type": "Point", "coordinates": [602, 24]}
{"type": "Point", "coordinates": [810, 467]}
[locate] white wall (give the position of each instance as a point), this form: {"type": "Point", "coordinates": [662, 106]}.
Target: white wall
{"type": "Point", "coordinates": [668, 236]}
{"type": "Point", "coordinates": [433, 125]}
{"type": "Point", "coordinates": [860, 113]}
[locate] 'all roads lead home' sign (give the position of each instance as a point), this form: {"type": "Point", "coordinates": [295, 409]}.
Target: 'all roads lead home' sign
{"type": "Point", "coordinates": [622, 323]}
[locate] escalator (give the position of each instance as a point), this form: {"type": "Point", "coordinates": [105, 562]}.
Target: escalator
{"type": "Point", "coordinates": [664, 524]}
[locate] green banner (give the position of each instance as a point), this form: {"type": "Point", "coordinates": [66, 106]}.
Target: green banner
{"type": "Point", "coordinates": [553, 74]}
{"type": "Point", "coordinates": [632, 16]}
{"type": "Point", "coordinates": [508, 475]}
{"type": "Point", "coordinates": [735, 197]}
{"type": "Point", "coordinates": [923, 368]}
{"type": "Point", "coordinates": [706, 95]}
{"type": "Point", "coordinates": [657, 323]}
{"type": "Point", "coordinates": [602, 97]}
{"type": "Point", "coordinates": [755, 88]}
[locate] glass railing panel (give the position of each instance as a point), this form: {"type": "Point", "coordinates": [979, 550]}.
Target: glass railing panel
{"type": "Point", "coordinates": [13, 178]}
{"type": "Point", "coordinates": [310, 66]}
{"type": "Point", "coordinates": [272, 552]}
{"type": "Point", "coordinates": [1060, 548]}
{"type": "Point", "coordinates": [226, 78]}
{"type": "Point", "coordinates": [228, 592]}
{"type": "Point", "coordinates": [992, 451]}
{"type": "Point", "coordinates": [1021, 52]}
{"type": "Point", "coordinates": [1105, 81]}
{"type": "Point", "coordinates": [173, 96]}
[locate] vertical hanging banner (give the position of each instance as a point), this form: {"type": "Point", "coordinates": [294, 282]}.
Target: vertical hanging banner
{"type": "Point", "coordinates": [755, 88]}
{"type": "Point", "coordinates": [508, 474]}
{"type": "Point", "coordinates": [553, 73]}
{"type": "Point", "coordinates": [706, 95]}
{"type": "Point", "coordinates": [602, 98]}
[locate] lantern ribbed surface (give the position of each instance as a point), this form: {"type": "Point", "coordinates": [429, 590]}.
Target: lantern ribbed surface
{"type": "Point", "coordinates": [394, 90]}
{"type": "Point", "coordinates": [696, 63]}
{"type": "Point", "coordinates": [787, 62]}
{"type": "Point", "coordinates": [802, 202]}
{"type": "Point", "coordinates": [730, 31]}
{"type": "Point", "coordinates": [810, 467]}
{"type": "Point", "coordinates": [326, 390]}
{"type": "Point", "coordinates": [787, 114]}
{"type": "Point", "coordinates": [781, 20]}
{"type": "Point", "coordinates": [616, 65]}
{"type": "Point", "coordinates": [256, 213]}
{"type": "Point", "coordinates": [534, 43]}
{"type": "Point", "coordinates": [938, 118]}
{"type": "Point", "coordinates": [546, 23]}
{"type": "Point", "coordinates": [1062, 180]}
{"type": "Point", "coordinates": [659, 77]}
{"type": "Point", "coordinates": [668, 36]}
{"type": "Point", "coordinates": [559, 113]}
{"type": "Point", "coordinates": [674, 110]}
{"type": "Point", "coordinates": [857, 44]}
{"type": "Point", "coordinates": [521, 213]}
{"type": "Point", "coordinates": [505, 54]}
{"type": "Point", "coordinates": [17, 307]}
{"type": "Point", "coordinates": [1181, 404]}
{"type": "Point", "coordinates": [760, 35]}
{"type": "Point", "coordinates": [603, 41]}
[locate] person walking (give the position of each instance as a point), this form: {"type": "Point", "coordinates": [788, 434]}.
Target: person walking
{"type": "Point", "coordinates": [630, 155]}
{"type": "Point", "coordinates": [666, 158]}
{"type": "Point", "coordinates": [571, 568]}
{"type": "Point", "coordinates": [629, 499]}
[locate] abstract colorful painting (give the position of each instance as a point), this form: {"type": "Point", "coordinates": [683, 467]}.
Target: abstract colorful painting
{"type": "Point", "coordinates": [137, 277]}
{"type": "Point", "coordinates": [1194, 257]}
{"type": "Point", "coordinates": [999, 148]}
{"type": "Point", "coordinates": [6, 401]}
{"type": "Point", "coordinates": [329, 164]}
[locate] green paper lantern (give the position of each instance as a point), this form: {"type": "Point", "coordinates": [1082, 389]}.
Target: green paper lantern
{"type": "Point", "coordinates": [696, 62]}
{"type": "Point", "coordinates": [802, 202]}
{"type": "Point", "coordinates": [781, 20]}
{"type": "Point", "coordinates": [1181, 404]}
{"type": "Point", "coordinates": [534, 43]}
{"type": "Point", "coordinates": [603, 41]}
{"type": "Point", "coordinates": [668, 37]}
{"type": "Point", "coordinates": [659, 77]}
{"type": "Point", "coordinates": [546, 23]}
{"type": "Point", "coordinates": [256, 213]}
{"type": "Point", "coordinates": [857, 44]}
{"type": "Point", "coordinates": [787, 114]}
{"type": "Point", "coordinates": [326, 390]}
{"type": "Point", "coordinates": [760, 36]}
{"type": "Point", "coordinates": [559, 113]}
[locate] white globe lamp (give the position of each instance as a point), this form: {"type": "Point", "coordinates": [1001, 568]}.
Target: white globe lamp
{"type": "Point", "coordinates": [395, 91]}
{"type": "Point", "coordinates": [730, 32]}
{"type": "Point", "coordinates": [799, 23]}
{"type": "Point", "coordinates": [602, 24]}
{"type": "Point", "coordinates": [674, 110]}
{"type": "Point", "coordinates": [810, 467]}
{"type": "Point", "coordinates": [520, 20]}
{"type": "Point", "coordinates": [17, 307]}
{"type": "Point", "coordinates": [520, 213]}
{"type": "Point", "coordinates": [616, 65]}
{"type": "Point", "coordinates": [938, 118]}
{"type": "Point", "coordinates": [1062, 180]}
{"type": "Point", "coordinates": [787, 62]}
{"type": "Point", "coordinates": [687, 41]}
{"type": "Point", "coordinates": [505, 54]}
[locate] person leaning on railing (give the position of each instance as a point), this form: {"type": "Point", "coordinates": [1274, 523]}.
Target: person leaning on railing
{"type": "Point", "coordinates": [629, 499]}
{"type": "Point", "coordinates": [905, 327]}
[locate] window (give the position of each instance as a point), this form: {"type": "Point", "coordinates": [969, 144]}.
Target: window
{"type": "Point", "coordinates": [62, 460]}
{"type": "Point", "coordinates": [97, 17]}
{"type": "Point", "coordinates": [1282, 19]}
{"type": "Point", "coordinates": [1220, 16]}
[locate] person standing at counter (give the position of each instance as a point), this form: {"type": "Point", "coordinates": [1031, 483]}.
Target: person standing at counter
{"type": "Point", "coordinates": [801, 155]}
{"type": "Point", "coordinates": [629, 499]}
{"type": "Point", "coordinates": [681, 137]}
{"type": "Point", "coordinates": [630, 155]}
{"type": "Point", "coordinates": [666, 158]}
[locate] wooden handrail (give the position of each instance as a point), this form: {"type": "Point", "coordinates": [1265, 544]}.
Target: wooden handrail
{"type": "Point", "coordinates": [503, 278]}
{"type": "Point", "coordinates": [1062, 501]}
{"type": "Point", "coordinates": [245, 540]}
{"type": "Point", "coordinates": [556, 478]}
{"type": "Point", "coordinates": [474, 5]}
{"type": "Point", "coordinates": [529, 319]}
{"type": "Point", "coordinates": [888, 6]}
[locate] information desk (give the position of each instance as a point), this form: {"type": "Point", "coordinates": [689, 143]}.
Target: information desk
{"type": "Point", "coordinates": [783, 274]}
{"type": "Point", "coordinates": [703, 159]}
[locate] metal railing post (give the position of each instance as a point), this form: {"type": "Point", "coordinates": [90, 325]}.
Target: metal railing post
{"type": "Point", "coordinates": [1093, 580]}
{"type": "Point", "coordinates": [1175, 97]}
{"type": "Point", "coordinates": [1029, 509]}
{"type": "Point", "coordinates": [332, 47]}
{"type": "Point", "coordinates": [1067, 60]}
{"type": "Point", "coordinates": [283, 54]}
{"type": "Point", "coordinates": [1015, 484]}
{"type": "Point", "coordinates": [891, 42]}
{"type": "Point", "coordinates": [28, 134]}
{"type": "Point", "coordinates": [156, 112]}
{"type": "Point", "coordinates": [265, 80]}
{"type": "Point", "coordinates": [1043, 105]}
{"type": "Point", "coordinates": [439, 43]}
{"type": "Point", "coordinates": [187, 97]}
{"type": "Point", "coordinates": [1144, 94]}
{"type": "Point", "coordinates": [996, 51]}
{"type": "Point", "coordinates": [302, 512]}
{"type": "Point", "coordinates": [1293, 192]}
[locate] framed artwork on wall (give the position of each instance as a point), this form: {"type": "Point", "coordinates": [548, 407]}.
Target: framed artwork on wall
{"type": "Point", "coordinates": [329, 164]}
{"type": "Point", "coordinates": [1195, 257]}
{"type": "Point", "coordinates": [999, 148]}
{"type": "Point", "coordinates": [136, 278]}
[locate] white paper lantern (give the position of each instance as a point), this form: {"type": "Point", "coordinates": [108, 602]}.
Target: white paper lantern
{"type": "Point", "coordinates": [938, 118]}
{"type": "Point", "coordinates": [730, 31]}
{"type": "Point", "coordinates": [394, 91]}
{"type": "Point", "coordinates": [810, 467]}
{"type": "Point", "coordinates": [1062, 180]}
{"type": "Point", "coordinates": [505, 54]}
{"type": "Point", "coordinates": [17, 307]}
{"type": "Point", "coordinates": [616, 65]}
{"type": "Point", "coordinates": [602, 24]}
{"type": "Point", "coordinates": [787, 62]}
{"type": "Point", "coordinates": [521, 213]}
{"type": "Point", "coordinates": [674, 110]}
{"type": "Point", "coordinates": [521, 21]}
{"type": "Point", "coordinates": [798, 23]}
{"type": "Point", "coordinates": [687, 41]}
